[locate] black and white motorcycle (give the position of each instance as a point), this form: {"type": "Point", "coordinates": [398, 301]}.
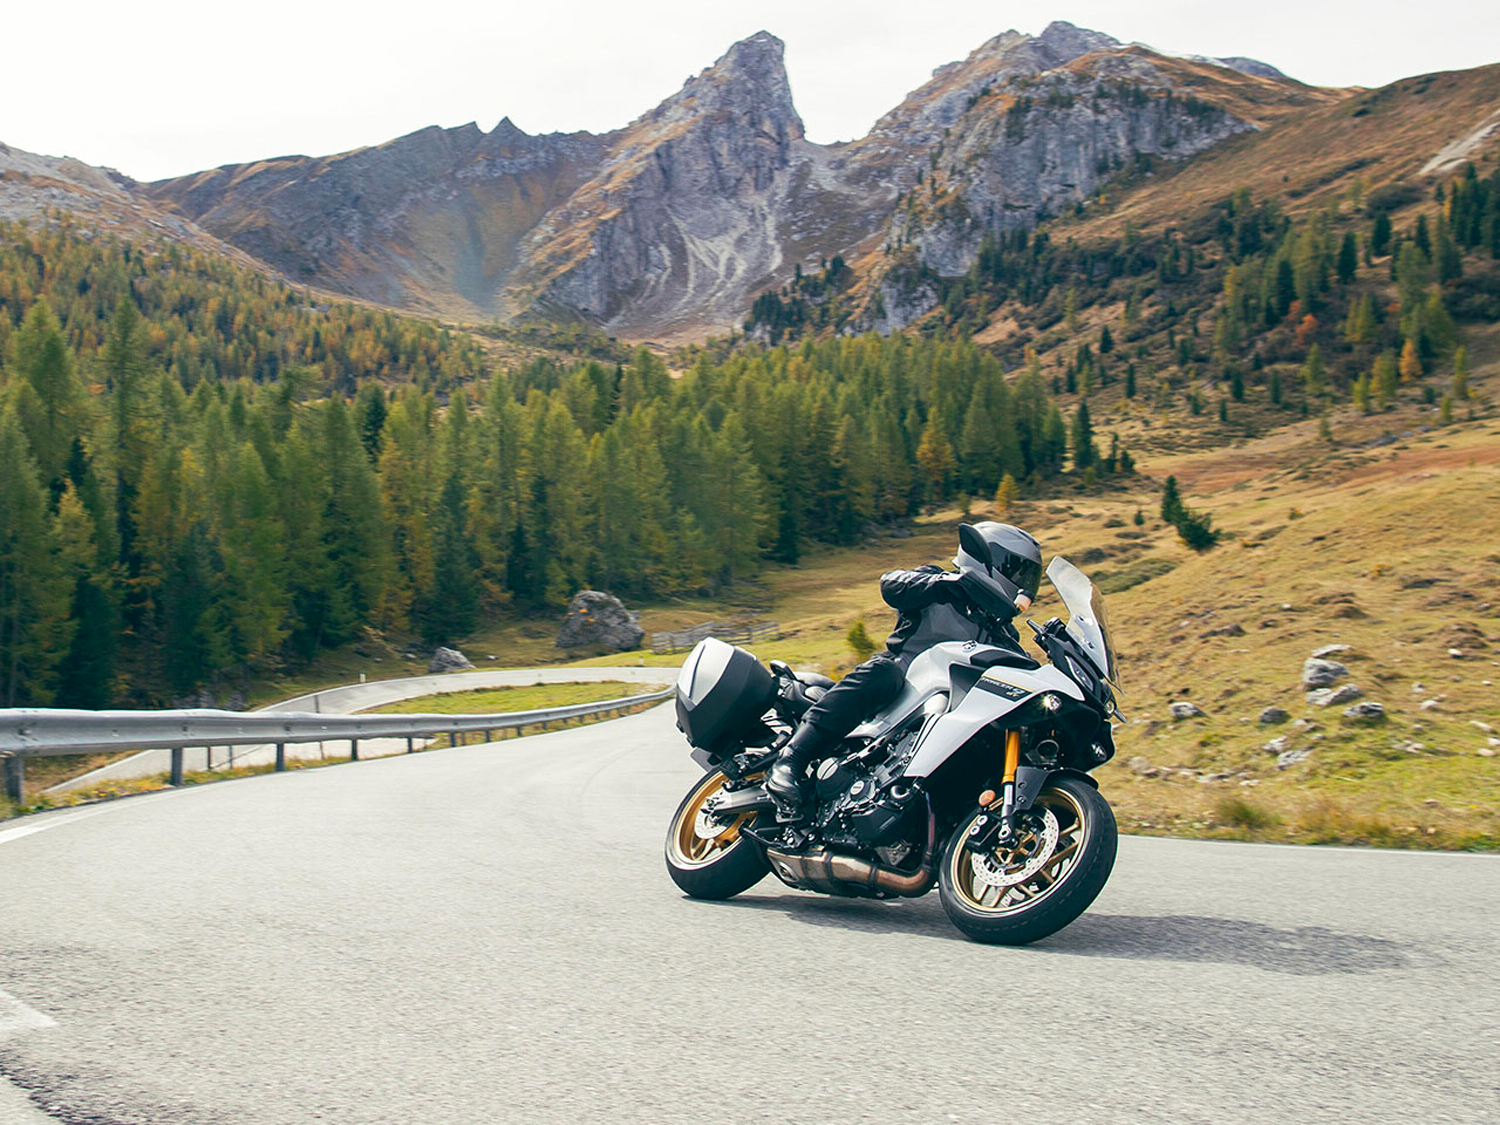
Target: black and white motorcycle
{"type": "Point", "coordinates": [976, 779]}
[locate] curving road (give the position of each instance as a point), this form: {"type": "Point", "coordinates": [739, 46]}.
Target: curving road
{"type": "Point", "coordinates": [350, 698]}
{"type": "Point", "coordinates": [487, 935]}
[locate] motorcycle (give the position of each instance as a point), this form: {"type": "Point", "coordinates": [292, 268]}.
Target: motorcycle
{"type": "Point", "coordinates": [975, 779]}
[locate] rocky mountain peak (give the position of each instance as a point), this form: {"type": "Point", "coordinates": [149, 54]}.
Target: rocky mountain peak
{"type": "Point", "coordinates": [749, 81]}
{"type": "Point", "coordinates": [1064, 42]}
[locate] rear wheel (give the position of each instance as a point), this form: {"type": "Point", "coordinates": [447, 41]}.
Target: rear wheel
{"type": "Point", "coordinates": [708, 857]}
{"type": "Point", "coordinates": [1059, 862]}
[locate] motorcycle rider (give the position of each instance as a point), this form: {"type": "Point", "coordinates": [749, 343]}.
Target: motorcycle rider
{"type": "Point", "coordinates": [999, 571]}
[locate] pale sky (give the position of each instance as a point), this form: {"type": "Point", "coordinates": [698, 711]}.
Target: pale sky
{"type": "Point", "coordinates": [158, 88]}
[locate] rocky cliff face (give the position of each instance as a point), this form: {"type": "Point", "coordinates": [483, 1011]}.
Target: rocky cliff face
{"type": "Point", "coordinates": [671, 225]}
{"type": "Point", "coordinates": [431, 220]}
{"type": "Point", "coordinates": [1022, 152]}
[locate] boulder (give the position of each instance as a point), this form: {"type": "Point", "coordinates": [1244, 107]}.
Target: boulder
{"type": "Point", "coordinates": [1274, 715]}
{"type": "Point", "coordinates": [448, 660]}
{"type": "Point", "coordinates": [1184, 710]}
{"type": "Point", "coordinates": [595, 618]}
{"type": "Point", "coordinates": [1330, 650]}
{"type": "Point", "coordinates": [1328, 697]}
{"type": "Point", "coordinates": [1317, 672]}
{"type": "Point", "coordinates": [1234, 629]}
{"type": "Point", "coordinates": [1290, 758]}
{"type": "Point", "coordinates": [1366, 711]}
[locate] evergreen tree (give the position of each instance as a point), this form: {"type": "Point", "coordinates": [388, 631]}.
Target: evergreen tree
{"type": "Point", "coordinates": [51, 410]}
{"type": "Point", "coordinates": [1348, 258]}
{"type": "Point", "coordinates": [1171, 502]}
{"type": "Point", "coordinates": [1084, 453]}
{"type": "Point", "coordinates": [1380, 236]}
{"type": "Point", "coordinates": [1383, 379]}
{"type": "Point", "coordinates": [1461, 374]}
{"type": "Point", "coordinates": [935, 457]}
{"type": "Point", "coordinates": [34, 586]}
{"type": "Point", "coordinates": [1315, 373]}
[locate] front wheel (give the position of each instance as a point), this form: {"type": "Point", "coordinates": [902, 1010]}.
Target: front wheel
{"type": "Point", "coordinates": [708, 858]}
{"type": "Point", "coordinates": [1059, 862]}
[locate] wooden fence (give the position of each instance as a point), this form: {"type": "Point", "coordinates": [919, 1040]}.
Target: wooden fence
{"type": "Point", "coordinates": [736, 633]}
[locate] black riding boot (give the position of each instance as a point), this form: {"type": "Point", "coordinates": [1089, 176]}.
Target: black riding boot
{"type": "Point", "coordinates": [789, 771]}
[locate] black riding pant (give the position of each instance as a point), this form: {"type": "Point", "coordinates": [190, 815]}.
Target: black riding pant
{"type": "Point", "coordinates": [850, 702]}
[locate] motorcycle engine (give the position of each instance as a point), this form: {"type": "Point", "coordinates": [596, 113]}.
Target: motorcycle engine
{"type": "Point", "coordinates": [865, 808]}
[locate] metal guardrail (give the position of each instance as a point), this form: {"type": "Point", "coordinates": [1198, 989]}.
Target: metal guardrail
{"type": "Point", "coordinates": [735, 634]}
{"type": "Point", "coordinates": [38, 732]}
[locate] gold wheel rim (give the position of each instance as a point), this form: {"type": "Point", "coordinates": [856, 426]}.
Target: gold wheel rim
{"type": "Point", "coordinates": [689, 849]}
{"type": "Point", "coordinates": [978, 895]}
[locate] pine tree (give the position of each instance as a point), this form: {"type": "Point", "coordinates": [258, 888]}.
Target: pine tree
{"type": "Point", "coordinates": [1140, 518]}
{"type": "Point", "coordinates": [1006, 495]}
{"type": "Point", "coordinates": [1411, 362]}
{"type": "Point", "coordinates": [1348, 258]}
{"type": "Point", "coordinates": [1360, 326]}
{"type": "Point", "coordinates": [1461, 374]}
{"type": "Point", "coordinates": [935, 458]}
{"type": "Point", "coordinates": [34, 586]}
{"type": "Point", "coordinates": [1445, 414]}
{"type": "Point", "coordinates": [1171, 502]}
{"type": "Point", "coordinates": [1315, 373]}
{"type": "Point", "coordinates": [859, 640]}
{"type": "Point", "coordinates": [1383, 379]}
{"type": "Point", "coordinates": [1084, 453]}
{"type": "Point", "coordinates": [1130, 380]}
{"type": "Point", "coordinates": [1380, 236]}
{"type": "Point", "coordinates": [52, 409]}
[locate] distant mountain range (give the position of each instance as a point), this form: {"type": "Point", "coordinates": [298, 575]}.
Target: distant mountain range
{"type": "Point", "coordinates": [670, 227]}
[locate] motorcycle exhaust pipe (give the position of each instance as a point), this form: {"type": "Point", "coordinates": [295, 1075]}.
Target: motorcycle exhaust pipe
{"type": "Point", "coordinates": [825, 870]}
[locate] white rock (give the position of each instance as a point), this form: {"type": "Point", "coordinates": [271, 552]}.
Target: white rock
{"type": "Point", "coordinates": [1482, 726]}
{"type": "Point", "coordinates": [1456, 653]}
{"type": "Point", "coordinates": [1185, 710]}
{"type": "Point", "coordinates": [1329, 650]}
{"type": "Point", "coordinates": [1486, 751]}
{"type": "Point", "coordinates": [1428, 705]}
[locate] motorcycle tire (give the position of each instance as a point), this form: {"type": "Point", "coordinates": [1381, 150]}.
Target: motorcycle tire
{"type": "Point", "coordinates": [719, 867]}
{"type": "Point", "coordinates": [1017, 895]}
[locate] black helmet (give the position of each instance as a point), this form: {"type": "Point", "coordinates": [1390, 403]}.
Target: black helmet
{"type": "Point", "coordinates": [997, 557]}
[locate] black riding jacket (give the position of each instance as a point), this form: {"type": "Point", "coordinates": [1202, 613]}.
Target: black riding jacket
{"type": "Point", "coordinates": [923, 599]}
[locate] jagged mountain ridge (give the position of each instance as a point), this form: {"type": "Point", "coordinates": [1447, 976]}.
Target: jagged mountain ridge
{"type": "Point", "coordinates": [666, 227]}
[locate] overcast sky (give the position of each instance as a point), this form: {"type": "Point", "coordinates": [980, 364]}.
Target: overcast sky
{"type": "Point", "coordinates": [158, 88]}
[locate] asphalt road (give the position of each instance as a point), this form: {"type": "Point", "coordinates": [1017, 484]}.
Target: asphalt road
{"type": "Point", "coordinates": [487, 935]}
{"type": "Point", "coordinates": [348, 699]}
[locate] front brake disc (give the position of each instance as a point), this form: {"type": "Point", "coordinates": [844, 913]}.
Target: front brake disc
{"type": "Point", "coordinates": [1018, 868]}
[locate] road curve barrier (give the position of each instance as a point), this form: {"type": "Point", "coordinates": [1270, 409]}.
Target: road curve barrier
{"type": "Point", "coordinates": [30, 732]}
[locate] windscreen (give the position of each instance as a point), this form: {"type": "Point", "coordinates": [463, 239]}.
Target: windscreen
{"type": "Point", "coordinates": [1086, 619]}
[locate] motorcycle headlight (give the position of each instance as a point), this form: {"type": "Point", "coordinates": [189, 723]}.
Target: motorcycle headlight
{"type": "Point", "coordinates": [1050, 702]}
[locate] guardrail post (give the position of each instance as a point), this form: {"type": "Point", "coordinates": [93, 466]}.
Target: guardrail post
{"type": "Point", "coordinates": [15, 778]}
{"type": "Point", "coordinates": [175, 777]}
{"type": "Point", "coordinates": [281, 757]}
{"type": "Point", "coordinates": [354, 749]}
{"type": "Point", "coordinates": [410, 745]}
{"type": "Point", "coordinates": [452, 739]}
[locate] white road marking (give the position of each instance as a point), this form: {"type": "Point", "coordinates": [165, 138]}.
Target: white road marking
{"type": "Point", "coordinates": [9, 834]}
{"type": "Point", "coordinates": [16, 1016]}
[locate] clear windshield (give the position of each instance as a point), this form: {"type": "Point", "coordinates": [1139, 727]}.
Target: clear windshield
{"type": "Point", "coordinates": [1086, 618]}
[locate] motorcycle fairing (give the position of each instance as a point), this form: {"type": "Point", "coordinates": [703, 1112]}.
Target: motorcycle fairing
{"type": "Point", "coordinates": [999, 692]}
{"type": "Point", "coordinates": [930, 674]}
